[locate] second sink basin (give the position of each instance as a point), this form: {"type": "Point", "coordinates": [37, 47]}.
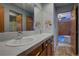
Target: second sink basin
{"type": "Point", "coordinates": [20, 42]}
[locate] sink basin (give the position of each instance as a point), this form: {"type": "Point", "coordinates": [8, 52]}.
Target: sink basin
{"type": "Point", "coordinates": [20, 42]}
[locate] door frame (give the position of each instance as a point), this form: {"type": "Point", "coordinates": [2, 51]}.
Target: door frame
{"type": "Point", "coordinates": [77, 30]}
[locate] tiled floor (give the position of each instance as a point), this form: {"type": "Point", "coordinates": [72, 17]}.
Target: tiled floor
{"type": "Point", "coordinates": [64, 51]}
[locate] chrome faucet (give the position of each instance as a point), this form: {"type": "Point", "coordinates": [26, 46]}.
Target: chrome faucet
{"type": "Point", "coordinates": [40, 31]}
{"type": "Point", "coordinates": [19, 35]}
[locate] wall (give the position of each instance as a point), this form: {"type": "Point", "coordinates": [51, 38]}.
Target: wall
{"type": "Point", "coordinates": [37, 17]}
{"type": "Point", "coordinates": [48, 15]}
{"type": "Point", "coordinates": [7, 8]}
{"type": "Point", "coordinates": [42, 15]}
{"type": "Point", "coordinates": [55, 28]}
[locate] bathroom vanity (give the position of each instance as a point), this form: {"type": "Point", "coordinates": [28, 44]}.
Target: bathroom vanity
{"type": "Point", "coordinates": [43, 48]}
{"type": "Point", "coordinates": [41, 45]}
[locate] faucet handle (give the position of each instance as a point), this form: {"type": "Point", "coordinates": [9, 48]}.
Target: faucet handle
{"type": "Point", "coordinates": [19, 35]}
{"type": "Point", "coordinates": [20, 32]}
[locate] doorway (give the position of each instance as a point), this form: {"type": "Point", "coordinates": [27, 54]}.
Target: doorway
{"type": "Point", "coordinates": [67, 32]}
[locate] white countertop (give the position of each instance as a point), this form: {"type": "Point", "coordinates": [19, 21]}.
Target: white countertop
{"type": "Point", "coordinates": [13, 51]}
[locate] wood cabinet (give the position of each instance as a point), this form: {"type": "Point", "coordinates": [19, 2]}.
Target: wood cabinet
{"type": "Point", "coordinates": [36, 52]}
{"type": "Point", "coordinates": [19, 23]}
{"type": "Point", "coordinates": [43, 53]}
{"type": "Point", "coordinates": [45, 49]}
{"type": "Point", "coordinates": [1, 18]}
{"type": "Point", "coordinates": [29, 23]}
{"type": "Point", "coordinates": [73, 29]}
{"type": "Point", "coordinates": [49, 48]}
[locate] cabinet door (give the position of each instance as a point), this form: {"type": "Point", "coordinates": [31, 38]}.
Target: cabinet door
{"type": "Point", "coordinates": [43, 53]}
{"type": "Point", "coordinates": [44, 49]}
{"type": "Point", "coordinates": [1, 18]}
{"type": "Point", "coordinates": [19, 22]}
{"type": "Point", "coordinates": [36, 52]}
{"type": "Point", "coordinates": [29, 23]}
{"type": "Point", "coordinates": [49, 48]}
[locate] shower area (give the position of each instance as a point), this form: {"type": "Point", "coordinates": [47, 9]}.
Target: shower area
{"type": "Point", "coordinates": [64, 28]}
{"type": "Point", "coordinates": [64, 34]}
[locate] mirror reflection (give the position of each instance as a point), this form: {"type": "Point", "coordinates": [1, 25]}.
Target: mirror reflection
{"type": "Point", "coordinates": [15, 20]}
{"type": "Point", "coordinates": [16, 17]}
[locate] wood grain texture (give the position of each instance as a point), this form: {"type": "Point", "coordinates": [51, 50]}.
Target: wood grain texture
{"type": "Point", "coordinates": [64, 28]}
{"type": "Point", "coordinates": [73, 29]}
{"type": "Point", "coordinates": [64, 51]}
{"type": "Point", "coordinates": [1, 18]}
{"type": "Point", "coordinates": [29, 23]}
{"type": "Point", "coordinates": [19, 22]}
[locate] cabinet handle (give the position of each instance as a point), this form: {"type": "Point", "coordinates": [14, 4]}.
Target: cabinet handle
{"type": "Point", "coordinates": [37, 53]}
{"type": "Point", "coordinates": [46, 44]}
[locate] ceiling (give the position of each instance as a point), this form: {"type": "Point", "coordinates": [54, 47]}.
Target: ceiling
{"type": "Point", "coordinates": [62, 4]}
{"type": "Point", "coordinates": [26, 6]}
{"type": "Point", "coordinates": [30, 6]}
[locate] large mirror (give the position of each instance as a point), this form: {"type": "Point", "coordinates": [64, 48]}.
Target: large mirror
{"type": "Point", "coordinates": [15, 21]}
{"type": "Point", "coordinates": [16, 17]}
